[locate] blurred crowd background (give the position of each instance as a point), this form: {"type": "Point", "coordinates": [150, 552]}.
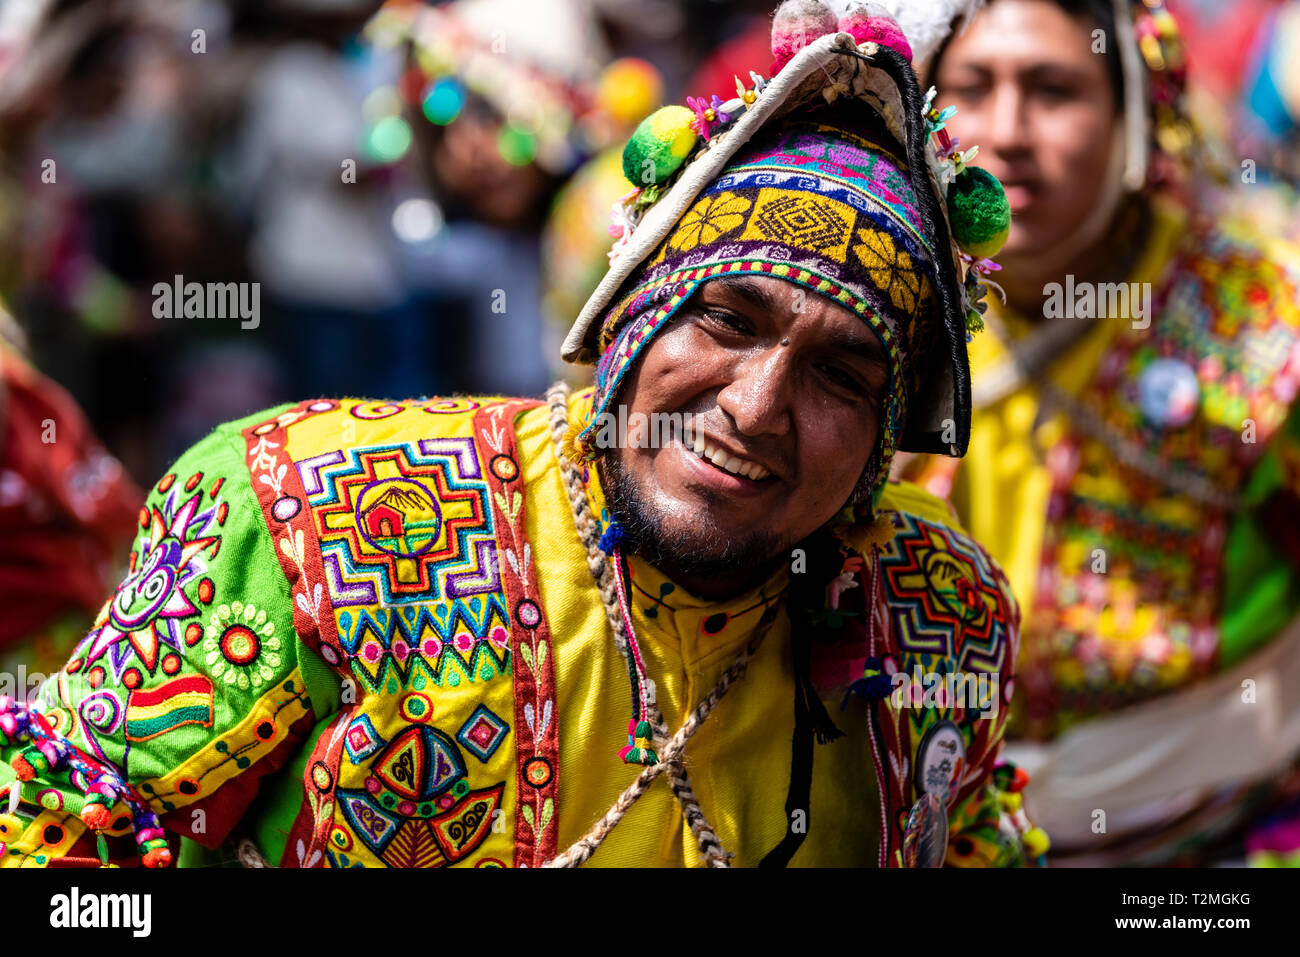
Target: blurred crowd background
{"type": "Point", "coordinates": [421, 217]}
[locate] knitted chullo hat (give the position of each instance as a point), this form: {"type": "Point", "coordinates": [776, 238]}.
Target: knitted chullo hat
{"type": "Point", "coordinates": [835, 175]}
{"type": "Point", "coordinates": [822, 201]}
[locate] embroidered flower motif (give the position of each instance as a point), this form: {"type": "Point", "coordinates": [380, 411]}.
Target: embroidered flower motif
{"type": "Point", "coordinates": [890, 268]}
{"type": "Point", "coordinates": [241, 645]}
{"type": "Point", "coordinates": [708, 219]}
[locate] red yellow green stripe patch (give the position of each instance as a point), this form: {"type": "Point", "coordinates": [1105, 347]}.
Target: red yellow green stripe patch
{"type": "Point", "coordinates": [172, 704]}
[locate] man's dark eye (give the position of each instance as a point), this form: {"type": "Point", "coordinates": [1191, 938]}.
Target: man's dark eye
{"type": "Point", "coordinates": [969, 94]}
{"type": "Point", "coordinates": [842, 378]}
{"type": "Point", "coordinates": [729, 320]}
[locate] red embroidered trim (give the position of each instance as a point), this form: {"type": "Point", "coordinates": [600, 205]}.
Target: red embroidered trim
{"type": "Point", "coordinates": [288, 517]}
{"type": "Point", "coordinates": [537, 735]}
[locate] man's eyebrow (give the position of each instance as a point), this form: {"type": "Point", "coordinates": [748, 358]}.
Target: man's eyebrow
{"type": "Point", "coordinates": [1052, 70]}
{"type": "Point", "coordinates": [978, 68]}
{"type": "Point", "coordinates": [1030, 71]}
{"type": "Point", "coordinates": [868, 348]}
{"type": "Point", "coordinates": [755, 293]}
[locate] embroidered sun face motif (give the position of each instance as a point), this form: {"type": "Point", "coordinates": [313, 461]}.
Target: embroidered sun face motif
{"type": "Point", "coordinates": [151, 589]}
{"type": "Point", "coordinates": [148, 606]}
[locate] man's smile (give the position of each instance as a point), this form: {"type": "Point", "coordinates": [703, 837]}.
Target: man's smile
{"type": "Point", "coordinates": [698, 460]}
{"type": "Point", "coordinates": [719, 454]}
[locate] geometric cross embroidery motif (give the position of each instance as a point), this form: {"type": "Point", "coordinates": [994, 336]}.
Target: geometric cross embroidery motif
{"type": "Point", "coordinates": [944, 597]}
{"type": "Point", "coordinates": [406, 522]}
{"type": "Point", "coordinates": [483, 733]}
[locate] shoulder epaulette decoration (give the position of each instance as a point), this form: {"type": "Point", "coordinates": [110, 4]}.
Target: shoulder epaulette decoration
{"type": "Point", "coordinates": [100, 783]}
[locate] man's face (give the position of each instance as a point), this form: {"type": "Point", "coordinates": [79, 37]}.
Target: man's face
{"type": "Point", "coordinates": [803, 416]}
{"type": "Point", "coordinates": [1039, 102]}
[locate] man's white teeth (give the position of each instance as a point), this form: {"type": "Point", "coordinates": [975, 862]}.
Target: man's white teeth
{"type": "Point", "coordinates": [722, 459]}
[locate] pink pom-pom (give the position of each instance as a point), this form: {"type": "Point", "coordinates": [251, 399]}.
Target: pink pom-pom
{"type": "Point", "coordinates": [796, 24]}
{"type": "Point", "coordinates": [872, 23]}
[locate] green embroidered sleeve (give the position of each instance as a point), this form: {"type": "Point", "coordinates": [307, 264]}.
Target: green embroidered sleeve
{"type": "Point", "coordinates": [187, 691]}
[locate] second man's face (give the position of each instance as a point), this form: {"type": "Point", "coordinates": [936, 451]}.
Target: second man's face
{"type": "Point", "coordinates": [1032, 88]}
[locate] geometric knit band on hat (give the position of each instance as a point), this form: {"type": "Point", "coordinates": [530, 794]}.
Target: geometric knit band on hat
{"type": "Point", "coordinates": [822, 201]}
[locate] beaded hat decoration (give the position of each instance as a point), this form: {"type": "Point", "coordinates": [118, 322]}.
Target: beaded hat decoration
{"type": "Point", "coordinates": [949, 219]}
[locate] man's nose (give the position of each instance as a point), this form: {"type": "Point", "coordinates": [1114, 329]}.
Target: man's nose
{"type": "Point", "coordinates": [758, 398]}
{"type": "Point", "coordinates": [1008, 126]}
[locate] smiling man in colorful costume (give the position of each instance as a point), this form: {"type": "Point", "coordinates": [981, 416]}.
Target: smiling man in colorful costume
{"type": "Point", "coordinates": [419, 629]}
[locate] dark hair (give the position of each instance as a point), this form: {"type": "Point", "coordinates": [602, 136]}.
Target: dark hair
{"type": "Point", "coordinates": [1102, 15]}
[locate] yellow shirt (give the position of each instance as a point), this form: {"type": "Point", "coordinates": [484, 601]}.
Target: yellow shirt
{"type": "Point", "coordinates": [351, 539]}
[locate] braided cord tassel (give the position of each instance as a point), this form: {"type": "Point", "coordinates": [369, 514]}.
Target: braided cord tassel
{"type": "Point", "coordinates": [673, 753]}
{"type": "Point", "coordinates": [640, 744]}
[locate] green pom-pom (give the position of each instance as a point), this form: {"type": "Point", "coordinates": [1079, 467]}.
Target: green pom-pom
{"type": "Point", "coordinates": [979, 212]}
{"type": "Point", "coordinates": [659, 146]}
{"type": "Point", "coordinates": [643, 730]}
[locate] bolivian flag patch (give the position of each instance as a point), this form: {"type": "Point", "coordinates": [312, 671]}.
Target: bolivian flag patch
{"type": "Point", "coordinates": [180, 701]}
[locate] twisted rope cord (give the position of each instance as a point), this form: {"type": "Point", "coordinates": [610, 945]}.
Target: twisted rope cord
{"type": "Point", "coordinates": [604, 575]}
{"type": "Point", "coordinates": [584, 847]}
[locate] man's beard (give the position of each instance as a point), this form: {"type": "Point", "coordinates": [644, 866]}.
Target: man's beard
{"type": "Point", "coordinates": [702, 550]}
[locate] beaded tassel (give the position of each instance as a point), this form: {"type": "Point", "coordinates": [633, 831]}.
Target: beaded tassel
{"type": "Point", "coordinates": [103, 787]}
{"type": "Point", "coordinates": [640, 735]}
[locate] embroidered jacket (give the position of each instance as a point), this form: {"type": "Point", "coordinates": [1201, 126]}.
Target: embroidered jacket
{"type": "Point", "coordinates": [365, 634]}
{"type": "Point", "coordinates": [1133, 587]}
